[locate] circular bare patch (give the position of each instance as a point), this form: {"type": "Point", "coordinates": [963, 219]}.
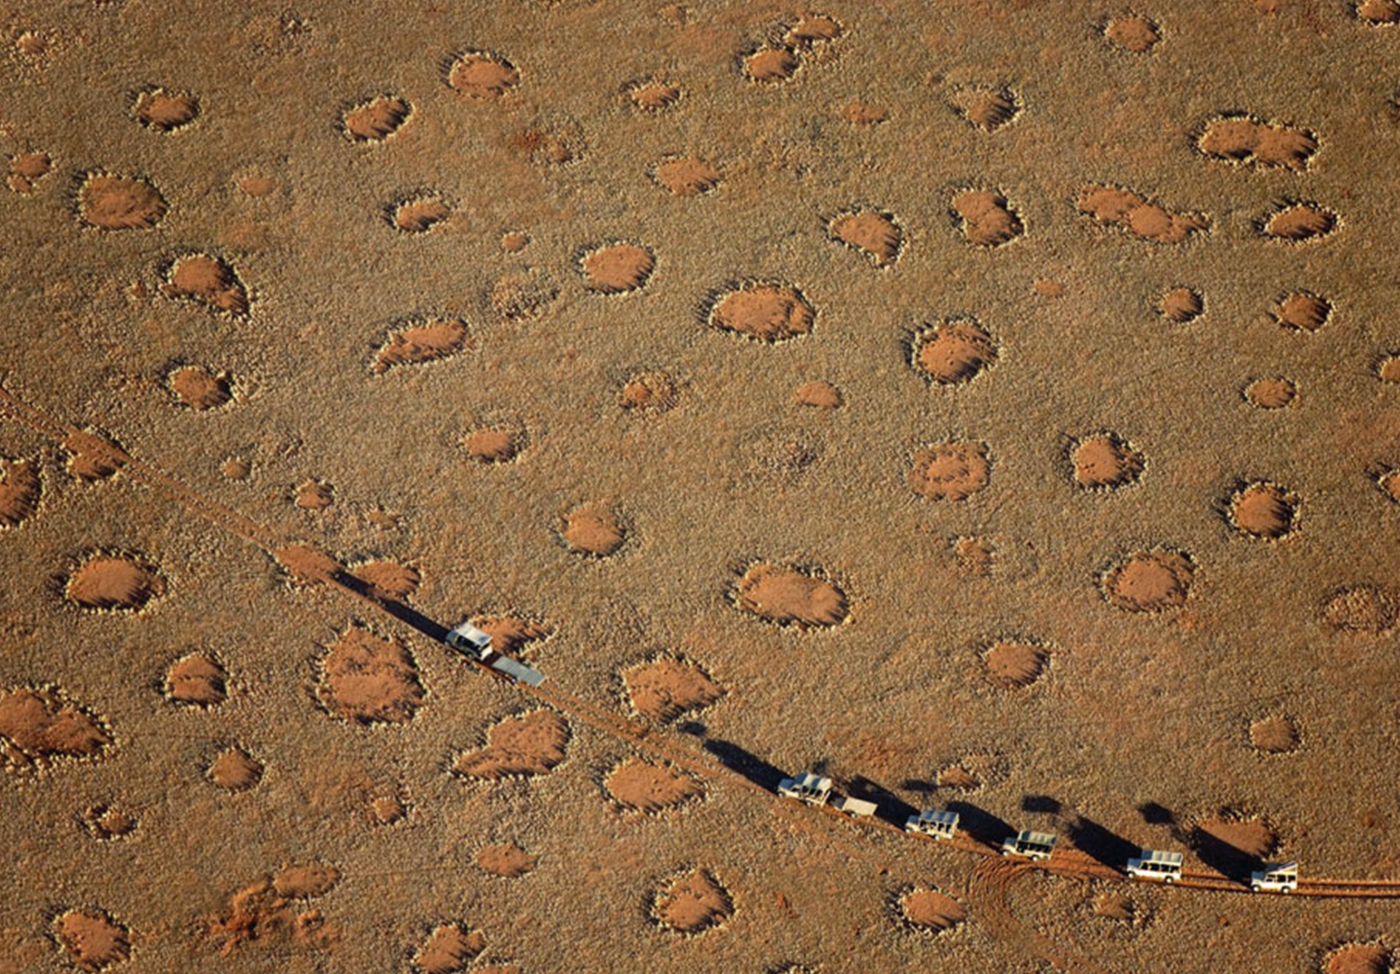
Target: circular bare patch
{"type": "Point", "coordinates": [872, 232]}
{"type": "Point", "coordinates": [617, 268]}
{"type": "Point", "coordinates": [1275, 735]}
{"type": "Point", "coordinates": [418, 214]}
{"type": "Point", "coordinates": [388, 580]}
{"type": "Point", "coordinates": [491, 445]}
{"type": "Point", "coordinates": [449, 949]}
{"type": "Point", "coordinates": [953, 352]}
{"type": "Point", "coordinates": [113, 581]}
{"type": "Point", "coordinates": [984, 107]}
{"type": "Point", "coordinates": [108, 822]}
{"type": "Point", "coordinates": [1015, 664]}
{"type": "Point", "coordinates": [686, 176]}
{"type": "Point", "coordinates": [788, 597]}
{"type": "Point", "coordinates": [1360, 608]}
{"type": "Point", "coordinates": [482, 75]}
{"type": "Point", "coordinates": [1106, 461]}
{"type": "Point", "coordinates": [209, 280]}
{"type": "Point", "coordinates": [931, 911]}
{"type": "Point", "coordinates": [236, 468]}
{"type": "Point", "coordinates": [592, 530]}
{"type": "Point", "coordinates": [1274, 392]}
{"type": "Point", "coordinates": [818, 394]}
{"type": "Point", "coordinates": [653, 96]}
{"type": "Point", "coordinates": [1149, 581]}
{"type": "Point", "coordinates": [640, 786]}
{"type": "Point", "coordinates": [1355, 958]}
{"type": "Point", "coordinates": [92, 940]}
{"type": "Point", "coordinates": [120, 202]}
{"type": "Point", "coordinates": [375, 120]}
{"type": "Point", "coordinates": [950, 471]}
{"type": "Point", "coordinates": [692, 903]}
{"type": "Point", "coordinates": [40, 726]}
{"type": "Point", "coordinates": [196, 680]}
{"type": "Point", "coordinates": [987, 217]}
{"type": "Point", "coordinates": [20, 491]}
{"type": "Point", "coordinates": [200, 389]}
{"type": "Point", "coordinates": [812, 30]}
{"type": "Point", "coordinates": [1302, 311]}
{"type": "Point", "coordinates": [235, 770]}
{"type": "Point", "coordinates": [368, 679]}
{"type": "Point", "coordinates": [1134, 33]}
{"type": "Point", "coordinates": [663, 689]}
{"type": "Point", "coordinates": [1298, 222]}
{"type": "Point", "coordinates": [1264, 510]}
{"type": "Point", "coordinates": [417, 341]}
{"type": "Point", "coordinates": [770, 65]}
{"type": "Point", "coordinates": [165, 111]}
{"type": "Point", "coordinates": [505, 859]}
{"type": "Point", "coordinates": [314, 495]}
{"type": "Point", "coordinates": [1181, 305]}
{"type": "Point", "coordinates": [1244, 835]}
{"type": "Point", "coordinates": [765, 312]}
{"type": "Point", "coordinates": [650, 392]}
{"type": "Point", "coordinates": [531, 744]}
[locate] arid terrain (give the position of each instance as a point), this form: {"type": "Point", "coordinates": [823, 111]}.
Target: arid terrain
{"type": "Point", "coordinates": [992, 404]}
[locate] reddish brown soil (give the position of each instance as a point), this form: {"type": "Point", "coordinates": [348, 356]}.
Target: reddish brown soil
{"type": "Point", "coordinates": [654, 96]}
{"type": "Point", "coordinates": [369, 679]}
{"type": "Point", "coordinates": [987, 218]}
{"type": "Point", "coordinates": [506, 860]}
{"type": "Point", "coordinates": [419, 214]}
{"type": "Point", "coordinates": [930, 910]}
{"type": "Point", "coordinates": [120, 582]}
{"type": "Point", "coordinates": [864, 113]}
{"type": "Point", "coordinates": [1275, 735]}
{"type": "Point", "coordinates": [305, 881]}
{"type": "Point", "coordinates": [107, 822]}
{"type": "Point", "coordinates": [1378, 13]}
{"type": "Point", "coordinates": [511, 634]}
{"type": "Point", "coordinates": [165, 111]}
{"type": "Point", "coordinates": [693, 903]}
{"type": "Point", "coordinates": [1138, 216]}
{"type": "Point", "coordinates": [617, 268]}
{"type": "Point", "coordinates": [985, 108]}
{"type": "Point", "coordinates": [209, 280]}
{"type": "Point", "coordinates": [666, 688]}
{"type": "Point", "coordinates": [1251, 835]}
{"type": "Point", "coordinates": [111, 202]}
{"type": "Point", "coordinates": [1360, 608]}
{"type": "Point", "coordinates": [953, 352]}
{"type": "Point", "coordinates": [388, 579]}
{"type": "Point", "coordinates": [1240, 138]}
{"type": "Point", "coordinates": [1358, 958]}
{"type": "Point", "coordinates": [234, 769]}
{"type": "Point", "coordinates": [764, 312]}
{"type": "Point", "coordinates": [1302, 310]}
{"type": "Point", "coordinates": [532, 744]}
{"type": "Point", "coordinates": [314, 495]}
{"type": "Point", "coordinates": [819, 395]}
{"type": "Point", "coordinates": [686, 176]}
{"type": "Point", "coordinates": [196, 680]}
{"type": "Point", "coordinates": [1274, 392]}
{"type": "Point", "coordinates": [1150, 581]}
{"type": "Point", "coordinates": [974, 556]}
{"type": "Point", "coordinates": [26, 169]}
{"type": "Point", "coordinates": [261, 916]}
{"type": "Point", "coordinates": [39, 726]}
{"type": "Point", "coordinates": [790, 597]}
{"type": "Point", "coordinates": [1015, 664]}
{"type": "Point", "coordinates": [1106, 462]}
{"type": "Point", "coordinates": [1133, 32]}
{"type": "Point", "coordinates": [1264, 510]}
{"type": "Point", "coordinates": [874, 234]}
{"type": "Point", "coordinates": [492, 445]}
{"type": "Point", "coordinates": [92, 941]}
{"type": "Point", "coordinates": [772, 65]}
{"type": "Point", "coordinates": [20, 491]}
{"type": "Point", "coordinates": [1181, 305]}
{"type": "Point", "coordinates": [306, 564]}
{"type": "Point", "coordinates": [449, 948]}
{"type": "Point", "coordinates": [377, 119]}
{"type": "Point", "coordinates": [482, 76]}
{"type": "Point", "coordinates": [200, 389]}
{"type": "Point", "coordinates": [426, 342]}
{"type": "Point", "coordinates": [1298, 222]}
{"type": "Point", "coordinates": [592, 530]}
{"type": "Point", "coordinates": [644, 787]}
{"type": "Point", "coordinates": [951, 471]}
{"type": "Point", "coordinates": [813, 29]}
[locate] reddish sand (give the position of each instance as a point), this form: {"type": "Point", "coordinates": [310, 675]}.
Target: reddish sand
{"type": "Point", "coordinates": [1275, 735]}
{"type": "Point", "coordinates": [112, 581]}
{"type": "Point", "coordinates": [26, 169]}
{"type": "Point", "coordinates": [492, 445]}
{"type": "Point", "coordinates": [693, 903]}
{"type": "Point", "coordinates": [511, 634]}
{"type": "Point", "coordinates": [1181, 305]}
{"type": "Point", "coordinates": [650, 788]}
{"type": "Point", "coordinates": [505, 859]}
{"type": "Point", "coordinates": [209, 280]}
{"type": "Point", "coordinates": [531, 744]}
{"type": "Point", "coordinates": [449, 948]}
{"type": "Point", "coordinates": [20, 491]}
{"type": "Point", "coordinates": [306, 564]}
{"type": "Point", "coordinates": [1138, 216]}
{"type": "Point", "coordinates": [199, 389]}
{"type": "Point", "coordinates": [377, 119]}
{"type": "Point", "coordinates": [39, 725]}
{"type": "Point", "coordinates": [686, 176]}
{"type": "Point", "coordinates": [1378, 13]}
{"type": "Point", "coordinates": [165, 111]}
{"type": "Point", "coordinates": [93, 456]}
{"type": "Point", "coordinates": [985, 108]}
{"type": "Point", "coordinates": [196, 680]}
{"type": "Point", "coordinates": [666, 688]}
{"type": "Point", "coordinates": [864, 113]}
{"type": "Point", "coordinates": [654, 96]}
{"type": "Point", "coordinates": [1132, 32]}
{"type": "Point", "coordinates": [819, 395]}
{"type": "Point", "coordinates": [108, 822]}
{"type": "Point", "coordinates": [789, 597]}
{"type": "Point", "coordinates": [1360, 608]}
{"type": "Point", "coordinates": [234, 769]}
{"type": "Point", "coordinates": [1274, 392]}
{"type": "Point", "coordinates": [305, 881]}
{"type": "Point", "coordinates": [771, 65]}
{"type": "Point", "coordinates": [1371, 958]}
{"type": "Point", "coordinates": [930, 910]}
{"type": "Point", "coordinates": [91, 940]}
{"type": "Point", "coordinates": [974, 556]}
{"type": "Point", "coordinates": [871, 232]}
{"type": "Point", "coordinates": [592, 530]}
{"type": "Point", "coordinates": [1240, 138]}
{"type": "Point", "coordinates": [987, 217]}
{"type": "Point", "coordinates": [369, 679]}
{"type": "Point", "coordinates": [314, 495]}
{"type": "Point", "coordinates": [1302, 310]}
{"type": "Point", "coordinates": [417, 343]}
{"type": "Point", "coordinates": [260, 915]}
{"type": "Point", "coordinates": [764, 312]}
{"type": "Point", "coordinates": [650, 392]}
{"type": "Point", "coordinates": [120, 202]}
{"type": "Point", "coordinates": [1298, 222]}
{"type": "Point", "coordinates": [1106, 462]}
{"type": "Point", "coordinates": [1251, 835]}
{"type": "Point", "coordinates": [482, 76]}
{"type": "Point", "coordinates": [1149, 581]}
{"type": "Point", "coordinates": [388, 579]}
{"type": "Point", "coordinates": [952, 471]}
{"type": "Point", "coordinates": [1015, 664]}
{"type": "Point", "coordinates": [953, 352]}
{"type": "Point", "coordinates": [617, 268]}
{"type": "Point", "coordinates": [419, 214]}
{"type": "Point", "coordinates": [1264, 510]}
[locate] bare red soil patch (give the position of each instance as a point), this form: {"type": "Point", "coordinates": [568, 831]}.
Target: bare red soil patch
{"type": "Point", "coordinates": [1149, 581]}
{"type": "Point", "coordinates": [686, 176]}
{"type": "Point", "coordinates": [1388, 369]}
{"type": "Point", "coordinates": [1115, 906]}
{"type": "Point", "coordinates": [953, 352]}
{"type": "Point", "coordinates": [418, 214]}
{"type": "Point", "coordinates": [1377, 13]}
{"type": "Point", "coordinates": [196, 680]}
{"type": "Point", "coordinates": [26, 169]}
{"type": "Point", "coordinates": [234, 769]}
{"type": "Point", "coordinates": [305, 881]}
{"type": "Point", "coordinates": [505, 859]}
{"type": "Point", "coordinates": [617, 268]}
{"type": "Point", "coordinates": [952, 471]}
{"type": "Point", "coordinates": [650, 392]}
{"type": "Point", "coordinates": [650, 788]}
{"type": "Point", "coordinates": [93, 456]}
{"type": "Point", "coordinates": [984, 107]}
{"type": "Point", "coordinates": [92, 940]}
{"type": "Point", "coordinates": [259, 914]}
{"type": "Point", "coordinates": [1264, 510]}
{"type": "Point", "coordinates": [108, 822]}
{"type": "Point", "coordinates": [872, 232]}
{"type": "Point", "coordinates": [40, 725]}
{"type": "Point", "coordinates": [653, 96]}
{"type": "Point", "coordinates": [198, 388]}
{"type": "Point", "coordinates": [20, 491]}
{"type": "Point", "coordinates": [314, 495]}
{"type": "Point", "coordinates": [492, 445]}
{"type": "Point", "coordinates": [306, 564]}
{"type": "Point", "coordinates": [1181, 305]}
{"type": "Point", "coordinates": [1138, 216]}
{"type": "Point", "coordinates": [369, 679]}
{"type": "Point", "coordinates": [931, 911]}
{"type": "Point", "coordinates": [864, 113]}
{"type": "Point", "coordinates": [1015, 664]}
{"type": "Point", "coordinates": [209, 280]}
{"type": "Point", "coordinates": [512, 634]}
{"type": "Point", "coordinates": [422, 342]}
{"type": "Point", "coordinates": [987, 217]}
{"type": "Point", "coordinates": [448, 949]}
{"type": "Point", "coordinates": [375, 120]}
{"type": "Point", "coordinates": [973, 556]}
{"type": "Point", "coordinates": [388, 579]}
{"type": "Point", "coordinates": [1360, 608]}
{"type": "Point", "coordinates": [788, 597]}
{"type": "Point", "coordinates": [771, 65]}
{"type": "Point", "coordinates": [666, 688]}
{"type": "Point", "coordinates": [819, 395]}
{"type": "Point", "coordinates": [1275, 735]}
{"type": "Point", "coordinates": [1302, 311]}
{"type": "Point", "coordinates": [1298, 222]}
{"type": "Point", "coordinates": [531, 744]}
{"type": "Point", "coordinates": [111, 202]}
{"type": "Point", "coordinates": [765, 312]}
{"type": "Point", "coordinates": [1132, 32]}
{"type": "Point", "coordinates": [1106, 461]}
{"type": "Point", "coordinates": [593, 530]}
{"type": "Point", "coordinates": [1250, 141]}
{"type": "Point", "coordinates": [1389, 483]}
{"type": "Point", "coordinates": [1273, 392]}
{"type": "Point", "coordinates": [114, 582]}
{"type": "Point", "coordinates": [1359, 958]}
{"type": "Point", "coordinates": [692, 903]}
{"type": "Point", "coordinates": [165, 111]}
{"type": "Point", "coordinates": [1250, 835]}
{"type": "Point", "coordinates": [482, 75]}
{"type": "Point", "coordinates": [813, 29]}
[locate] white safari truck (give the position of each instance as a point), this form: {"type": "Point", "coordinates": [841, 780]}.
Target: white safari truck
{"type": "Point", "coordinates": [810, 788]}
{"type": "Point", "coordinates": [1156, 864]}
{"type": "Point", "coordinates": [1275, 877]}
{"type": "Point", "coordinates": [934, 823]}
{"type": "Point", "coordinates": [476, 643]}
{"type": "Point", "coordinates": [1030, 845]}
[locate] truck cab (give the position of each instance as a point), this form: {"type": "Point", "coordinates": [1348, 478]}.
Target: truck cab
{"type": "Point", "coordinates": [1030, 845]}
{"type": "Point", "coordinates": [468, 639]}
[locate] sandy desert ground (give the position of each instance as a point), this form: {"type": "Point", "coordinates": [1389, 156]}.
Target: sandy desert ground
{"type": "Point", "coordinates": [993, 404]}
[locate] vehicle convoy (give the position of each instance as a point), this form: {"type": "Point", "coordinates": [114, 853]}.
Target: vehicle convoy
{"type": "Point", "coordinates": [810, 788]}
{"type": "Point", "coordinates": [1275, 877]}
{"type": "Point", "coordinates": [476, 643]}
{"type": "Point", "coordinates": [933, 823]}
{"type": "Point", "coordinates": [1034, 846]}
{"type": "Point", "coordinates": [1156, 864]}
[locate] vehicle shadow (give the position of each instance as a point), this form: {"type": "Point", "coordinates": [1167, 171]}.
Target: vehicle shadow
{"type": "Point", "coordinates": [408, 616]}
{"type": "Point", "coordinates": [745, 763]}
{"type": "Point", "coordinates": [1093, 839]}
{"type": "Point", "coordinates": [890, 807]}
{"type": "Point", "coordinates": [981, 824]}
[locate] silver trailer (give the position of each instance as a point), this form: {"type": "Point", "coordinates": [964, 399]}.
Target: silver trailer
{"type": "Point", "coordinates": [934, 823]}
{"type": "Point", "coordinates": [855, 807]}
{"type": "Point", "coordinates": [1275, 877]}
{"type": "Point", "coordinates": [1156, 864]}
{"type": "Point", "coordinates": [1030, 845]}
{"type": "Point", "coordinates": [476, 643]}
{"type": "Point", "coordinates": [810, 788]}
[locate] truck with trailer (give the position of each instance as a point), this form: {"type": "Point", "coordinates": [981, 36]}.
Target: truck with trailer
{"type": "Point", "coordinates": [475, 643]}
